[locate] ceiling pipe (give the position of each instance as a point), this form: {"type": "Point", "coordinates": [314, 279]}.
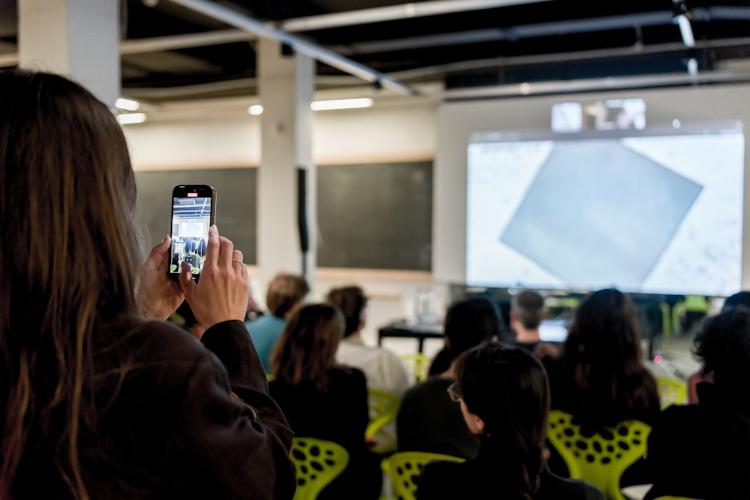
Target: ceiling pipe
{"type": "Point", "coordinates": [263, 30]}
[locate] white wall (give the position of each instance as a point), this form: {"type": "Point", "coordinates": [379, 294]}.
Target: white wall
{"type": "Point", "coordinates": [457, 121]}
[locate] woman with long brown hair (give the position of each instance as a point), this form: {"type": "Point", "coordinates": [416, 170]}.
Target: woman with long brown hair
{"type": "Point", "coordinates": [322, 400]}
{"type": "Point", "coordinates": [100, 398]}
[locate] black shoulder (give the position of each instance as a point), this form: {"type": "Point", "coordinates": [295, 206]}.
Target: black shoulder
{"type": "Point", "coordinates": [554, 487]}
{"type": "Point", "coordinates": [438, 480]}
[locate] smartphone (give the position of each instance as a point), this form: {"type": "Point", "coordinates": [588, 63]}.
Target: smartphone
{"type": "Point", "coordinates": [193, 212]}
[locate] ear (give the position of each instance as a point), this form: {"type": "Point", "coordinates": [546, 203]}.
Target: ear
{"type": "Point", "coordinates": [478, 423]}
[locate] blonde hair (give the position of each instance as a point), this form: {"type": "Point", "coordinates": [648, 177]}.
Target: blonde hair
{"type": "Point", "coordinates": [284, 292]}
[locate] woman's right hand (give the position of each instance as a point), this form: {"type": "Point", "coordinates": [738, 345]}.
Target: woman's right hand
{"type": "Point", "coordinates": [221, 294]}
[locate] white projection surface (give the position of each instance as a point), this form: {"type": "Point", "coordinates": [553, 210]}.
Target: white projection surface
{"type": "Point", "coordinates": [658, 211]}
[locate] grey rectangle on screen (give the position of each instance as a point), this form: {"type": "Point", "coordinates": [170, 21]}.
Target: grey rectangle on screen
{"type": "Point", "coordinates": [599, 214]}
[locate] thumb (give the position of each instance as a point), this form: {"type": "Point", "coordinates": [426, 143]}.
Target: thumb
{"type": "Point", "coordinates": [158, 253]}
{"type": "Point", "coordinates": [186, 280]}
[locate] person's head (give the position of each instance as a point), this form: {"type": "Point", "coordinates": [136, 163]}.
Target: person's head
{"type": "Point", "coordinates": [352, 302]}
{"type": "Point", "coordinates": [505, 398]}
{"type": "Point", "coordinates": [470, 322]}
{"type": "Point", "coordinates": [603, 353]}
{"type": "Point", "coordinates": [739, 299]}
{"type": "Point", "coordinates": [306, 349]}
{"type": "Point", "coordinates": [285, 292]}
{"type": "Point", "coordinates": [526, 311]}
{"type": "Point", "coordinates": [69, 257]}
{"type": "Point", "coordinates": [723, 347]}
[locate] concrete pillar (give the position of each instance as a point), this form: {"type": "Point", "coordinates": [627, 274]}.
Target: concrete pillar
{"type": "Point", "coordinates": [286, 85]}
{"type": "Point", "coordinates": [76, 38]}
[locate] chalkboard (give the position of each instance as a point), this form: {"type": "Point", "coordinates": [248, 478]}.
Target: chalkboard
{"type": "Point", "coordinates": [235, 207]}
{"type": "Point", "coordinates": [375, 216]}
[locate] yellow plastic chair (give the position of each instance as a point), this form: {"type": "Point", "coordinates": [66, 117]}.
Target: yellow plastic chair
{"type": "Point", "coordinates": [418, 364]}
{"type": "Point", "coordinates": [691, 304]}
{"type": "Point", "coordinates": [672, 391]}
{"type": "Point", "coordinates": [603, 458]}
{"type": "Point", "coordinates": [404, 468]}
{"type": "Point", "coordinates": [317, 464]}
{"type": "Point", "coordinates": [383, 410]}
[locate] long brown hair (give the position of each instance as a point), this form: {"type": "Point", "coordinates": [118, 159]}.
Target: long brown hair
{"type": "Point", "coordinates": [69, 256]}
{"type": "Point", "coordinates": [602, 361]}
{"type": "Point", "coordinates": [508, 388]}
{"type": "Point", "coordinates": [307, 348]}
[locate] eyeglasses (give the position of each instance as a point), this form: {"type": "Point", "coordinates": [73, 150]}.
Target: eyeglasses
{"type": "Point", "coordinates": [453, 393]}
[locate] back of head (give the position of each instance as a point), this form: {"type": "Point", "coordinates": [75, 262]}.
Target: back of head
{"type": "Point", "coordinates": [508, 389]}
{"type": "Point", "coordinates": [351, 301]}
{"type": "Point", "coordinates": [470, 322]}
{"type": "Point", "coordinates": [284, 292]}
{"type": "Point", "coordinates": [69, 258]}
{"type": "Point", "coordinates": [528, 308]}
{"type": "Point", "coordinates": [602, 356]}
{"type": "Point", "coordinates": [723, 346]}
{"type": "Point", "coordinates": [739, 299]}
{"type": "Point", "coordinates": [306, 349]}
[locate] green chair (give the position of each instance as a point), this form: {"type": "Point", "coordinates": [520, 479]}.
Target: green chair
{"type": "Point", "coordinates": [383, 410]}
{"type": "Point", "coordinates": [418, 364]}
{"type": "Point", "coordinates": [672, 391]}
{"type": "Point", "coordinates": [317, 464]}
{"type": "Point", "coordinates": [602, 458]}
{"type": "Point", "coordinates": [404, 469]}
{"type": "Point", "coordinates": [696, 304]}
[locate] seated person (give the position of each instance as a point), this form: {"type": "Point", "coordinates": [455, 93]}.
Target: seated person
{"type": "Point", "coordinates": [285, 292]}
{"type": "Point", "coordinates": [526, 314]}
{"type": "Point", "coordinates": [703, 450]}
{"type": "Point", "coordinates": [739, 299]}
{"type": "Point", "coordinates": [503, 395]}
{"type": "Point", "coordinates": [428, 420]}
{"type": "Point", "coordinates": [383, 369]}
{"type": "Point", "coordinates": [600, 376]}
{"type": "Point", "coordinates": [323, 401]}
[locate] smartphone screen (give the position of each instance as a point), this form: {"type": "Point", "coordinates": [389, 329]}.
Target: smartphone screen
{"type": "Point", "coordinates": [193, 208]}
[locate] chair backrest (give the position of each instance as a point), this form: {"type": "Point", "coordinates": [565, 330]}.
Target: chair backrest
{"type": "Point", "coordinates": [383, 410]}
{"type": "Point", "coordinates": [317, 464]}
{"type": "Point", "coordinates": [600, 459]}
{"type": "Point", "coordinates": [418, 364]}
{"type": "Point", "coordinates": [404, 469]}
{"type": "Point", "coordinates": [672, 391]}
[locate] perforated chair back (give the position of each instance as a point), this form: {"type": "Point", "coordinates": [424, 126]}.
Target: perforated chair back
{"type": "Point", "coordinates": [383, 410]}
{"type": "Point", "coordinates": [317, 464]}
{"type": "Point", "coordinates": [418, 364]}
{"type": "Point", "coordinates": [404, 469]}
{"type": "Point", "coordinates": [602, 458]}
{"type": "Point", "coordinates": [672, 391]}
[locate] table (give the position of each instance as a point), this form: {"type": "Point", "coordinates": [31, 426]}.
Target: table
{"type": "Point", "coordinates": [404, 330]}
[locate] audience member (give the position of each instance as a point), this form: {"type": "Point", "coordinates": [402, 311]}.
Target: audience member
{"type": "Point", "coordinates": [285, 292]}
{"type": "Point", "coordinates": [703, 450]}
{"type": "Point", "coordinates": [526, 314]}
{"type": "Point", "coordinates": [428, 420]}
{"type": "Point", "coordinates": [600, 376]}
{"type": "Point", "coordinates": [322, 400]}
{"type": "Point", "coordinates": [503, 395]}
{"type": "Point", "coordinates": [383, 369]}
{"type": "Point", "coordinates": [100, 399]}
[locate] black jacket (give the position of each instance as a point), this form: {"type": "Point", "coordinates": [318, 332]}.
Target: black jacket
{"type": "Point", "coordinates": [701, 451]}
{"type": "Point", "coordinates": [176, 421]}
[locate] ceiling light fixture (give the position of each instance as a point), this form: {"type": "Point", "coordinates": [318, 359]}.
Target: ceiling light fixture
{"type": "Point", "coordinates": [255, 109]}
{"type": "Point", "coordinates": [126, 104]}
{"type": "Point", "coordinates": [362, 102]}
{"type": "Point", "coordinates": [131, 118]}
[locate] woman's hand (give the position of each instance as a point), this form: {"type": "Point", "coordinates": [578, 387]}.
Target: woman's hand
{"type": "Point", "coordinates": [221, 294]}
{"type": "Point", "coordinates": [158, 296]}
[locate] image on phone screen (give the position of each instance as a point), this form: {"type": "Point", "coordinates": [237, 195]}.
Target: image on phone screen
{"type": "Point", "coordinates": [191, 218]}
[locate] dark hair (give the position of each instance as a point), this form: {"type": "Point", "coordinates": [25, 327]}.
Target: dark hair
{"type": "Point", "coordinates": [528, 308]}
{"type": "Point", "coordinates": [508, 389]}
{"type": "Point", "coordinates": [307, 347]}
{"type": "Point", "coordinates": [351, 301]}
{"type": "Point", "coordinates": [601, 358]}
{"type": "Point", "coordinates": [68, 259]}
{"type": "Point", "coordinates": [470, 322]}
{"type": "Point", "coordinates": [739, 299]}
{"type": "Point", "coordinates": [284, 292]}
{"type": "Point", "coordinates": [723, 347]}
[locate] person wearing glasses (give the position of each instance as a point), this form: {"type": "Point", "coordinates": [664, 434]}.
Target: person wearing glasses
{"type": "Point", "coordinates": [503, 396]}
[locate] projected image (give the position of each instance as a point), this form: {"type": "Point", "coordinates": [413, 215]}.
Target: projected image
{"type": "Point", "coordinates": [191, 218]}
{"type": "Point", "coordinates": [651, 213]}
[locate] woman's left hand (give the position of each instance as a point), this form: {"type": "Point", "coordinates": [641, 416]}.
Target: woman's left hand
{"type": "Point", "coordinates": [158, 296]}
